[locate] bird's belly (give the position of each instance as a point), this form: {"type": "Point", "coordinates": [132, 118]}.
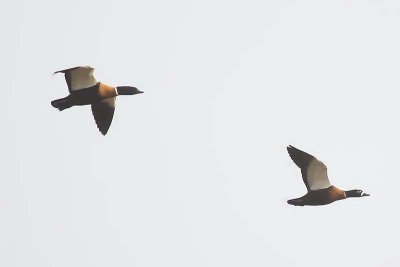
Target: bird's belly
{"type": "Point", "coordinates": [324, 196]}
{"type": "Point", "coordinates": [86, 96]}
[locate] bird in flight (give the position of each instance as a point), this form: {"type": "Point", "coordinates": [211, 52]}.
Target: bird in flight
{"type": "Point", "coordinates": [84, 89]}
{"type": "Point", "coordinates": [315, 177]}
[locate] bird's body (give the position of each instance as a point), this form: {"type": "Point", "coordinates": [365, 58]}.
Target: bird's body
{"type": "Point", "coordinates": [319, 197]}
{"type": "Point", "coordinates": [315, 177]}
{"type": "Point", "coordinates": [84, 89]}
{"type": "Point", "coordinates": [86, 96]}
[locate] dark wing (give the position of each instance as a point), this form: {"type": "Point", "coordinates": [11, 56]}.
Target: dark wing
{"type": "Point", "coordinates": [313, 171]}
{"type": "Point", "coordinates": [302, 160]}
{"type": "Point", "coordinates": [67, 74]}
{"type": "Point", "coordinates": [66, 70]}
{"type": "Point", "coordinates": [103, 113]}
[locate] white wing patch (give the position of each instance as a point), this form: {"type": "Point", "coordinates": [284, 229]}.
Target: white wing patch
{"type": "Point", "coordinates": [317, 175]}
{"type": "Point", "coordinates": [82, 78]}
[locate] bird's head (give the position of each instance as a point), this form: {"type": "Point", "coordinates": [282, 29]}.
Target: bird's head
{"type": "Point", "coordinates": [356, 193]}
{"type": "Point", "coordinates": [128, 90]}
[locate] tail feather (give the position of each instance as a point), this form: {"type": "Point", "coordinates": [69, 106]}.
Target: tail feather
{"type": "Point", "coordinates": [296, 202]}
{"type": "Point", "coordinates": [62, 103]}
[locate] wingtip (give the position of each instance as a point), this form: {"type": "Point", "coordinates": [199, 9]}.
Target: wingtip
{"type": "Point", "coordinates": [103, 132]}
{"type": "Point", "coordinates": [59, 71]}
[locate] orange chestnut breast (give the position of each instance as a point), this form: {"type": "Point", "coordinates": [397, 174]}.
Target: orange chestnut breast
{"type": "Point", "coordinates": [107, 91]}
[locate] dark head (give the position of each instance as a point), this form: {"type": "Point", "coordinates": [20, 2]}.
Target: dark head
{"type": "Point", "coordinates": [356, 193]}
{"type": "Point", "coordinates": [128, 90]}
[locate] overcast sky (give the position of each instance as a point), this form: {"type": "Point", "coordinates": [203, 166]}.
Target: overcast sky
{"type": "Point", "coordinates": [194, 172]}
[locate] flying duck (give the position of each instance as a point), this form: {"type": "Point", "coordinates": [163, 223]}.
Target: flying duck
{"type": "Point", "coordinates": [84, 89]}
{"type": "Point", "coordinates": [315, 177]}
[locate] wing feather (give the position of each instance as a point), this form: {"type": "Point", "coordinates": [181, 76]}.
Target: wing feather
{"type": "Point", "coordinates": [79, 77]}
{"type": "Point", "coordinates": [314, 172]}
{"type": "Point", "coordinates": [103, 113]}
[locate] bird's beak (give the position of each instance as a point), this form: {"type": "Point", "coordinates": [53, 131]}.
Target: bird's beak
{"type": "Point", "coordinates": [365, 195]}
{"type": "Point", "coordinates": [140, 92]}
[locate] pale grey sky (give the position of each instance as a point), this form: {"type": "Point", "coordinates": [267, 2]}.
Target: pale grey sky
{"type": "Point", "coordinates": [194, 172]}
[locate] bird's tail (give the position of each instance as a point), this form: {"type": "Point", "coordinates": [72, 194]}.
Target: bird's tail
{"type": "Point", "coordinates": [295, 202]}
{"type": "Point", "coordinates": [62, 103]}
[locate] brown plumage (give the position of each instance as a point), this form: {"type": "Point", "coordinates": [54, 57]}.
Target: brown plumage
{"type": "Point", "coordinates": [315, 178]}
{"type": "Point", "coordinates": [319, 197]}
{"type": "Point", "coordinates": [84, 89]}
